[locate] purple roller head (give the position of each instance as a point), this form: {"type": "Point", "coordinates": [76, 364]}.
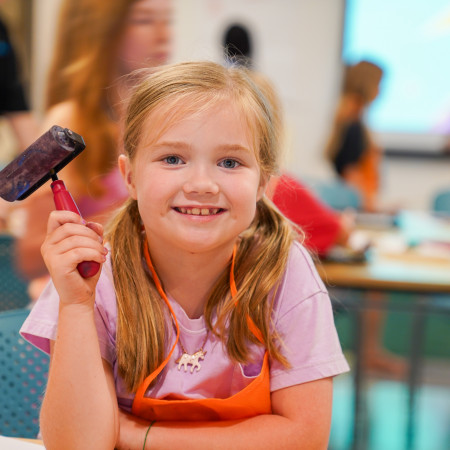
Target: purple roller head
{"type": "Point", "coordinates": [39, 162]}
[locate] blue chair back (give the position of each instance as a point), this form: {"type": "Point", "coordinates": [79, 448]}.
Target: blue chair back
{"type": "Point", "coordinates": [23, 377]}
{"type": "Point", "coordinates": [13, 288]}
{"type": "Point", "coordinates": [441, 202]}
{"type": "Point", "coordinates": [337, 194]}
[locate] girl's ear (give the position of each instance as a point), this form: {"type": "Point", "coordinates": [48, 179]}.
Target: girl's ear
{"type": "Point", "coordinates": [262, 187]}
{"type": "Point", "coordinates": [127, 175]}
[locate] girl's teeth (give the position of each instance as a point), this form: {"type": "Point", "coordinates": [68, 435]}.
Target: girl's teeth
{"type": "Point", "coordinates": [199, 211]}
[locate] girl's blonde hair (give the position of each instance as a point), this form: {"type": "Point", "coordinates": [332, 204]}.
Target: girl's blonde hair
{"type": "Point", "coordinates": [142, 330]}
{"type": "Point", "coordinates": [81, 70]}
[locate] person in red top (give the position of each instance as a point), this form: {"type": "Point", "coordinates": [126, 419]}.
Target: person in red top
{"type": "Point", "coordinates": [323, 227]}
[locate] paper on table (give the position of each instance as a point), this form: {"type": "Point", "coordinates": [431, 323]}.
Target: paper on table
{"type": "Point", "coordinates": [7, 443]}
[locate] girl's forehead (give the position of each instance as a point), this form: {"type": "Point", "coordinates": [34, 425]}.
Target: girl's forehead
{"type": "Point", "coordinates": [168, 114]}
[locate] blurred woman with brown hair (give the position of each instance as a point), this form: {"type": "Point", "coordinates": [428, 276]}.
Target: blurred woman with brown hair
{"type": "Point", "coordinates": [351, 148]}
{"type": "Point", "coordinates": [97, 44]}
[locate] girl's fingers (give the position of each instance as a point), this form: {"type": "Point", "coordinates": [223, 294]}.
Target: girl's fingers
{"type": "Point", "coordinates": [72, 230]}
{"type": "Point", "coordinates": [69, 260]}
{"type": "Point", "coordinates": [74, 242]}
{"type": "Point", "coordinates": [64, 223]}
{"type": "Point", "coordinates": [95, 227]}
{"type": "Point", "coordinates": [58, 218]}
{"type": "Point", "coordinates": [70, 241]}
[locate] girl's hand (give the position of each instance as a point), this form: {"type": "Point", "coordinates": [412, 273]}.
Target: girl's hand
{"type": "Point", "coordinates": [70, 241]}
{"type": "Point", "coordinates": [132, 431]}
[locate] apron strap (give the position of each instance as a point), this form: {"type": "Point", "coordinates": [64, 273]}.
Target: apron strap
{"type": "Point", "coordinates": [253, 328]}
{"type": "Point", "coordinates": [143, 386]}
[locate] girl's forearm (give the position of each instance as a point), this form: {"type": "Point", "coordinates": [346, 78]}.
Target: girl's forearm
{"type": "Point", "coordinates": [79, 409]}
{"type": "Point", "coordinates": [261, 432]}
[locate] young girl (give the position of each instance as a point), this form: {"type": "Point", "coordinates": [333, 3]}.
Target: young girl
{"type": "Point", "coordinates": [208, 326]}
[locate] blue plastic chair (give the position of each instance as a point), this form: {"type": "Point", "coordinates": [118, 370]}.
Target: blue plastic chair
{"type": "Point", "coordinates": [13, 288]}
{"type": "Point", "coordinates": [441, 202]}
{"type": "Point", "coordinates": [23, 377]}
{"type": "Point", "coordinates": [337, 194]}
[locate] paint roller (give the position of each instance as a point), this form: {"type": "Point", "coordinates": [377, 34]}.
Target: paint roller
{"type": "Point", "coordinates": [39, 163]}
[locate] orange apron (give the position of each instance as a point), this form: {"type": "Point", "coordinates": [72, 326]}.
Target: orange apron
{"type": "Point", "coordinates": [251, 401]}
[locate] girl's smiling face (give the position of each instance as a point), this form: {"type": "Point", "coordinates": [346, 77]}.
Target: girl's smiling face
{"type": "Point", "coordinates": [197, 184]}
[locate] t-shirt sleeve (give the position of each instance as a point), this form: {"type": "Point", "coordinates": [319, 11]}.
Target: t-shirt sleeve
{"type": "Point", "coordinates": [41, 325]}
{"type": "Point", "coordinates": [305, 323]}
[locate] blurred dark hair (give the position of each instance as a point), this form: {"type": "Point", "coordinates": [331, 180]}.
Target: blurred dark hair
{"type": "Point", "coordinates": [237, 45]}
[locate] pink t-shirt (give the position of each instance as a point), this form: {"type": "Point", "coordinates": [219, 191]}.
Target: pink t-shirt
{"type": "Point", "coordinates": [302, 316]}
{"type": "Point", "coordinates": [114, 195]}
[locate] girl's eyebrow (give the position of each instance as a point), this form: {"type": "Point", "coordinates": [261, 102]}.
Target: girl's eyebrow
{"type": "Point", "coordinates": [184, 145]}
{"type": "Point", "coordinates": [234, 148]}
{"type": "Point", "coordinates": [171, 144]}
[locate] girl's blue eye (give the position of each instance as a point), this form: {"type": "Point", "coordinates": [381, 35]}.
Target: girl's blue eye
{"type": "Point", "coordinates": [229, 163]}
{"type": "Point", "coordinates": [172, 160]}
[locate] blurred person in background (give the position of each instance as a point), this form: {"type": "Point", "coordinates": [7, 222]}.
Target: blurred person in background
{"type": "Point", "coordinates": [356, 158]}
{"type": "Point", "coordinates": [351, 149]}
{"type": "Point", "coordinates": [13, 103]}
{"type": "Point", "coordinates": [98, 43]}
{"type": "Point", "coordinates": [20, 127]}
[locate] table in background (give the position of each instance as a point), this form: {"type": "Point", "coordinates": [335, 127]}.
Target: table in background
{"type": "Point", "coordinates": [413, 257]}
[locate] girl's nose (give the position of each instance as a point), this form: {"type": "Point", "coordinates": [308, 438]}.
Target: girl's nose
{"type": "Point", "coordinates": [201, 182]}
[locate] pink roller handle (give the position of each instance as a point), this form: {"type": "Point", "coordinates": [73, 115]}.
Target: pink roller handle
{"type": "Point", "coordinates": [64, 201]}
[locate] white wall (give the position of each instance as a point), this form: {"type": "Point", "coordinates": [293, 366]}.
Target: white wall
{"type": "Point", "coordinates": [297, 45]}
{"type": "Point", "coordinates": [45, 16]}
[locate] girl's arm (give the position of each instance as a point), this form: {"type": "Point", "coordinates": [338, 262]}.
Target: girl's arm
{"type": "Point", "coordinates": [89, 410]}
{"type": "Point", "coordinates": [80, 408]}
{"type": "Point", "coordinates": [301, 419]}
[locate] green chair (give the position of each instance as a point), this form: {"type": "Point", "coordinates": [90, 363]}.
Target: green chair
{"type": "Point", "coordinates": [13, 288]}
{"type": "Point", "coordinates": [441, 202]}
{"type": "Point", "coordinates": [23, 377]}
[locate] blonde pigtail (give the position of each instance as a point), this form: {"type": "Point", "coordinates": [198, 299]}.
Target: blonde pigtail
{"type": "Point", "coordinates": [260, 263]}
{"type": "Point", "coordinates": [139, 308]}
